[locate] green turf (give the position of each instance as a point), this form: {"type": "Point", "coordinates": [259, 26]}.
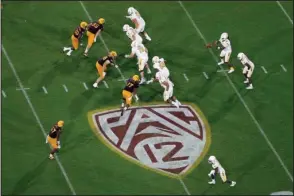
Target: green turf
{"type": "Point", "coordinates": [41, 29]}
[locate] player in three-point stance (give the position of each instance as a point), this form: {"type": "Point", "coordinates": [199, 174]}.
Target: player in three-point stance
{"type": "Point", "coordinates": [224, 44]}
{"type": "Point", "coordinates": [247, 69]}
{"type": "Point", "coordinates": [139, 22]}
{"type": "Point", "coordinates": [53, 138]}
{"type": "Point", "coordinates": [132, 34]}
{"type": "Point", "coordinates": [129, 91]}
{"type": "Point", "coordinates": [218, 169]}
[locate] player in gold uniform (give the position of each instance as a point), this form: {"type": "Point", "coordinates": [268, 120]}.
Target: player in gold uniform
{"type": "Point", "coordinates": [75, 38]}
{"type": "Point", "coordinates": [93, 31]}
{"type": "Point", "coordinates": [129, 91]}
{"type": "Point", "coordinates": [53, 138]}
{"type": "Point", "coordinates": [102, 64]}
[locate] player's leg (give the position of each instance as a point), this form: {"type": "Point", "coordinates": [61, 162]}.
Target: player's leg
{"type": "Point", "coordinates": [225, 180]}
{"type": "Point", "coordinates": [53, 143]}
{"type": "Point", "coordinates": [212, 175]}
{"type": "Point", "coordinates": [75, 46]}
{"type": "Point", "coordinates": [91, 38]}
{"type": "Point", "coordinates": [227, 62]}
{"type": "Point", "coordinates": [222, 56]}
{"type": "Point", "coordinates": [127, 97]}
{"type": "Point", "coordinates": [249, 83]}
{"type": "Point", "coordinates": [101, 74]}
{"type": "Point", "coordinates": [147, 66]}
{"type": "Point", "coordinates": [141, 29]}
{"type": "Point", "coordinates": [141, 65]}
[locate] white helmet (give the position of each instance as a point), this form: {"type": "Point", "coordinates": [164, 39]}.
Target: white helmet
{"type": "Point", "coordinates": [211, 159]}
{"type": "Point", "coordinates": [131, 10]}
{"type": "Point", "coordinates": [224, 36]}
{"type": "Point", "coordinates": [162, 62]}
{"type": "Point", "coordinates": [126, 27]}
{"type": "Point", "coordinates": [240, 56]}
{"type": "Point", "coordinates": [155, 59]}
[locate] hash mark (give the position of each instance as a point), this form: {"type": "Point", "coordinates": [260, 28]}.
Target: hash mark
{"type": "Point", "coordinates": [18, 89]}
{"type": "Point", "coordinates": [106, 85]}
{"type": "Point", "coordinates": [205, 75]}
{"type": "Point", "coordinates": [285, 70]}
{"type": "Point", "coordinates": [224, 70]}
{"type": "Point", "coordinates": [45, 90]}
{"type": "Point", "coordinates": [4, 94]}
{"type": "Point", "coordinates": [263, 68]}
{"type": "Point", "coordinates": [85, 85]}
{"type": "Point", "coordinates": [65, 88]}
{"type": "Point", "coordinates": [185, 76]}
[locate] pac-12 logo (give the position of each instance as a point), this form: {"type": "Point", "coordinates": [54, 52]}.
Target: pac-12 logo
{"type": "Point", "coordinates": [162, 138]}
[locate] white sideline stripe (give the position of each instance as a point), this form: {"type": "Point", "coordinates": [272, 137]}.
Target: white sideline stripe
{"type": "Point", "coordinates": [286, 14]}
{"type": "Point", "coordinates": [285, 70]}
{"type": "Point", "coordinates": [264, 70]}
{"type": "Point", "coordinates": [223, 70]}
{"type": "Point", "coordinates": [45, 90]}
{"type": "Point", "coordinates": [185, 187]}
{"type": "Point", "coordinates": [65, 88]}
{"type": "Point", "coordinates": [101, 38]}
{"type": "Point", "coordinates": [37, 118]}
{"type": "Point", "coordinates": [205, 75]}
{"type": "Point", "coordinates": [18, 89]}
{"type": "Point", "coordinates": [4, 94]}
{"type": "Point", "coordinates": [105, 84]}
{"type": "Point", "coordinates": [85, 85]}
{"type": "Point", "coordinates": [240, 97]}
{"type": "Point", "coordinates": [185, 76]}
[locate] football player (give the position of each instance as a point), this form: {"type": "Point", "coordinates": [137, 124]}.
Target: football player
{"type": "Point", "coordinates": [141, 52]}
{"type": "Point", "coordinates": [102, 64]}
{"type": "Point", "coordinates": [224, 44]}
{"type": "Point", "coordinates": [75, 38]}
{"type": "Point", "coordinates": [53, 138]}
{"type": "Point", "coordinates": [162, 76]}
{"type": "Point", "coordinates": [218, 169]}
{"type": "Point", "coordinates": [132, 34]}
{"type": "Point", "coordinates": [139, 22]}
{"type": "Point", "coordinates": [128, 92]}
{"type": "Point", "coordinates": [247, 69]}
{"type": "Point", "coordinates": [93, 31]}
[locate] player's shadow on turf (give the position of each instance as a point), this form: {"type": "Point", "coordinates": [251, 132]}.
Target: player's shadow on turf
{"type": "Point", "coordinates": [29, 178]}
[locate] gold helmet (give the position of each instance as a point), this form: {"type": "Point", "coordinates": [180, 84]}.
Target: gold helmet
{"type": "Point", "coordinates": [83, 25]}
{"type": "Point", "coordinates": [113, 54]}
{"type": "Point", "coordinates": [136, 78]}
{"type": "Point", "coordinates": [101, 20]}
{"type": "Point", "coordinates": [60, 123]}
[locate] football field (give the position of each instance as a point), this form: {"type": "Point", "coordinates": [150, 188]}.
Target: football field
{"type": "Point", "coordinates": [249, 131]}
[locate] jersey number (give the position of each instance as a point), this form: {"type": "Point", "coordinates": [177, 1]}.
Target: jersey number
{"type": "Point", "coordinates": [130, 84]}
{"type": "Point", "coordinates": [95, 25]}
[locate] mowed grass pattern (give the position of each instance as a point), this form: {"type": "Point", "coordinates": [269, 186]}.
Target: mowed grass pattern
{"type": "Point", "coordinates": [41, 29]}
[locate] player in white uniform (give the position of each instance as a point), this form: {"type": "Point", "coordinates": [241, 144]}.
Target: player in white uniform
{"type": "Point", "coordinates": [139, 22]}
{"type": "Point", "coordinates": [247, 69]}
{"type": "Point", "coordinates": [141, 52]}
{"type": "Point", "coordinates": [224, 44]}
{"type": "Point", "coordinates": [162, 76]}
{"type": "Point", "coordinates": [218, 169]}
{"type": "Point", "coordinates": [132, 34]}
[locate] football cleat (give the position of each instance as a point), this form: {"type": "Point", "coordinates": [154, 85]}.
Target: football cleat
{"type": "Point", "coordinates": [220, 63]}
{"type": "Point", "coordinates": [95, 85]}
{"type": "Point", "coordinates": [231, 70]}
{"type": "Point", "coordinates": [249, 87]}
{"type": "Point", "coordinates": [211, 182]}
{"type": "Point", "coordinates": [233, 183]}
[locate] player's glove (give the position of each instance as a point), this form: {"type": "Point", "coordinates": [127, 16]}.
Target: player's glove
{"type": "Point", "coordinates": [209, 45]}
{"type": "Point", "coordinates": [116, 66]}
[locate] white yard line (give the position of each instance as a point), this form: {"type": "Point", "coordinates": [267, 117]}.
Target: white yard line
{"type": "Point", "coordinates": [186, 78]}
{"type": "Point", "coordinates": [19, 89]}
{"type": "Point", "coordinates": [105, 84]}
{"type": "Point", "coordinates": [4, 94]}
{"type": "Point", "coordinates": [85, 85]}
{"type": "Point", "coordinates": [286, 14]}
{"type": "Point", "coordinates": [205, 75]}
{"type": "Point", "coordinates": [222, 70]}
{"type": "Point", "coordinates": [185, 187]}
{"type": "Point", "coordinates": [240, 97]}
{"type": "Point", "coordinates": [101, 38]}
{"type": "Point", "coordinates": [264, 70]}
{"type": "Point", "coordinates": [121, 80]}
{"type": "Point", "coordinates": [285, 70]}
{"type": "Point", "coordinates": [37, 118]}
{"type": "Point", "coordinates": [45, 90]}
{"type": "Point", "coordinates": [65, 88]}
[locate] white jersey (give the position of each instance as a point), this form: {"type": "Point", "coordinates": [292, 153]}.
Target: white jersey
{"type": "Point", "coordinates": [161, 77]}
{"type": "Point", "coordinates": [133, 35]}
{"type": "Point", "coordinates": [247, 63]}
{"type": "Point", "coordinates": [226, 44]}
{"type": "Point", "coordinates": [136, 15]}
{"type": "Point", "coordinates": [216, 165]}
{"type": "Point", "coordinates": [140, 51]}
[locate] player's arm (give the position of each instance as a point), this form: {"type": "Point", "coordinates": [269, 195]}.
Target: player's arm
{"type": "Point", "coordinates": [105, 64]}
{"type": "Point", "coordinates": [135, 22]}
{"type": "Point", "coordinates": [130, 55]}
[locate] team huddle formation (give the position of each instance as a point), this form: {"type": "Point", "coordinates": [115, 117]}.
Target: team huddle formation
{"type": "Point", "coordinates": [138, 49]}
